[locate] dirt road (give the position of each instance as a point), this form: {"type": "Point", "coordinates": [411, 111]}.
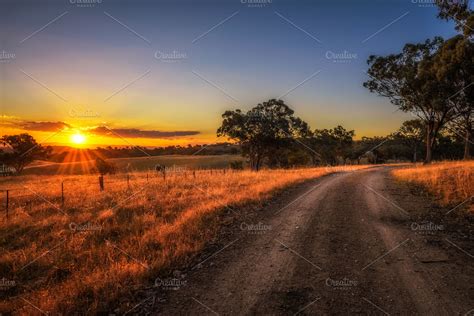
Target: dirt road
{"type": "Point", "coordinates": [346, 243]}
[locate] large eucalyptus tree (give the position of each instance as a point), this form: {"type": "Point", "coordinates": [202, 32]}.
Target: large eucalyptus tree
{"type": "Point", "coordinates": [408, 80]}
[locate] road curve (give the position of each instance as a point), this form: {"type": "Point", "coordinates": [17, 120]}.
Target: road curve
{"type": "Point", "coordinates": [340, 244]}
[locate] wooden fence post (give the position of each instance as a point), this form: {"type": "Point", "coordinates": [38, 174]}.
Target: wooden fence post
{"type": "Point", "coordinates": [62, 194]}
{"type": "Point", "coordinates": [101, 182]}
{"type": "Point", "coordinates": [6, 209]}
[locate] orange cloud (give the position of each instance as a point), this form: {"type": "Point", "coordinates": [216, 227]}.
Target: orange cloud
{"type": "Point", "coordinates": [138, 133]}
{"type": "Point", "coordinates": [43, 126]}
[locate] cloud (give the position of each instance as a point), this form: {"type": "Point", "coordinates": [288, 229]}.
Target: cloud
{"type": "Point", "coordinates": [138, 133]}
{"type": "Point", "coordinates": [50, 126]}
{"type": "Point", "coordinates": [43, 126]}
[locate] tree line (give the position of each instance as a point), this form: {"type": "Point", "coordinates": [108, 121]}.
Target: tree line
{"type": "Point", "coordinates": [19, 151]}
{"type": "Point", "coordinates": [433, 80]}
{"type": "Point", "coordinates": [268, 135]}
{"type": "Point", "coordinates": [271, 135]}
{"type": "Point", "coordinates": [64, 154]}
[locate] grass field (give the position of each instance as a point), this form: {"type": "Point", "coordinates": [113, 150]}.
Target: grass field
{"type": "Point", "coordinates": [137, 164]}
{"type": "Point", "coordinates": [93, 253]}
{"type": "Point", "coordinates": [451, 182]}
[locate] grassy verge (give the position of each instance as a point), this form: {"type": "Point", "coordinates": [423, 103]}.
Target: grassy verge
{"type": "Point", "coordinates": [451, 182]}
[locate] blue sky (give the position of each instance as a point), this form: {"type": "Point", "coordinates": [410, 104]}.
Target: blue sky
{"type": "Point", "coordinates": [257, 52]}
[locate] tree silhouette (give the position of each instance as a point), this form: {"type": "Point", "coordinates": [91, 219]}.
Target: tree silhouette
{"type": "Point", "coordinates": [264, 132]}
{"type": "Point", "coordinates": [104, 167]}
{"type": "Point", "coordinates": [332, 144]}
{"type": "Point", "coordinates": [454, 67]}
{"type": "Point", "coordinates": [411, 133]}
{"type": "Point", "coordinates": [408, 79]}
{"type": "Point", "coordinates": [21, 150]}
{"type": "Point", "coordinates": [460, 13]}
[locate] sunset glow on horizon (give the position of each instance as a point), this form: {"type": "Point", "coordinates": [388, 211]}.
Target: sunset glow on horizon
{"type": "Point", "coordinates": [159, 81]}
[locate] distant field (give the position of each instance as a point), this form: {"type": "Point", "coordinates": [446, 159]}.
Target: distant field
{"type": "Point", "coordinates": [137, 164]}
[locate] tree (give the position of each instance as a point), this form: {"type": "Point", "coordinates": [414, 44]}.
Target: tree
{"type": "Point", "coordinates": [460, 13]}
{"type": "Point", "coordinates": [455, 63]}
{"type": "Point", "coordinates": [408, 80]}
{"type": "Point", "coordinates": [449, 147]}
{"type": "Point", "coordinates": [454, 66]}
{"type": "Point", "coordinates": [372, 149]}
{"type": "Point", "coordinates": [344, 139]}
{"type": "Point", "coordinates": [358, 149]}
{"type": "Point", "coordinates": [332, 144]}
{"type": "Point", "coordinates": [412, 134]}
{"type": "Point", "coordinates": [21, 150]}
{"type": "Point", "coordinates": [104, 167]}
{"type": "Point", "coordinates": [325, 143]}
{"type": "Point", "coordinates": [264, 132]}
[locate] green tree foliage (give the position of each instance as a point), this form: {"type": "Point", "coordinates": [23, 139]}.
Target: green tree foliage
{"type": "Point", "coordinates": [265, 132]}
{"type": "Point", "coordinates": [410, 83]}
{"type": "Point", "coordinates": [458, 11]}
{"type": "Point", "coordinates": [454, 67]}
{"type": "Point", "coordinates": [412, 134]}
{"type": "Point", "coordinates": [332, 144]}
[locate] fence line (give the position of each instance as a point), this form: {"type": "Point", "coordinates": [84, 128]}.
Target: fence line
{"type": "Point", "coordinates": [102, 183]}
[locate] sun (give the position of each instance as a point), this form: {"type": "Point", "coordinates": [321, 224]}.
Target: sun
{"type": "Point", "coordinates": [78, 139]}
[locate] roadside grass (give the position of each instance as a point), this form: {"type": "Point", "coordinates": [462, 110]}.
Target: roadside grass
{"type": "Point", "coordinates": [451, 182]}
{"type": "Point", "coordinates": [93, 253]}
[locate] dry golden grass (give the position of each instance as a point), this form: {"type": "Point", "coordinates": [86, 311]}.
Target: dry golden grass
{"type": "Point", "coordinates": [91, 254]}
{"type": "Point", "coordinates": [452, 182]}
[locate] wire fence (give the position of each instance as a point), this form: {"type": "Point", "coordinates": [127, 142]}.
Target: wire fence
{"type": "Point", "coordinates": [17, 193]}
